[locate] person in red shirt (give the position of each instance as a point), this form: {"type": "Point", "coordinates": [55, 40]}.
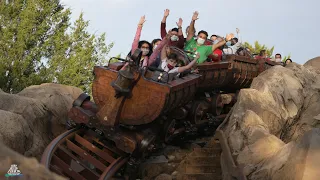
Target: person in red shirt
{"type": "Point", "coordinates": [263, 55]}
{"type": "Point", "coordinates": [216, 56]}
{"type": "Point", "coordinates": [177, 38]}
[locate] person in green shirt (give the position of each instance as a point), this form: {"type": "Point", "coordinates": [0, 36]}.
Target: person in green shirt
{"type": "Point", "coordinates": [197, 46]}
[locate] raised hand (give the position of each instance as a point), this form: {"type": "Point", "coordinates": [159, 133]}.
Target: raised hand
{"type": "Point", "coordinates": [229, 37]}
{"type": "Point", "coordinates": [237, 30]}
{"type": "Point", "coordinates": [142, 20]}
{"type": "Point", "coordinates": [195, 16]}
{"type": "Point", "coordinates": [179, 23]}
{"type": "Point", "coordinates": [169, 34]}
{"type": "Point", "coordinates": [197, 56]}
{"type": "Point", "coordinates": [166, 13]}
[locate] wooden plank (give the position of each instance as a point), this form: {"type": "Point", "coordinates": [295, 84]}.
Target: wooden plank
{"type": "Point", "coordinates": [94, 149]}
{"type": "Point", "coordinates": [67, 155]}
{"type": "Point", "coordinates": [66, 168]}
{"type": "Point", "coordinates": [82, 153]}
{"type": "Point", "coordinates": [56, 170]}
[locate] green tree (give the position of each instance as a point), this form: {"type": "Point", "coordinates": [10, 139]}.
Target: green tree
{"type": "Point", "coordinates": [257, 47]}
{"type": "Point", "coordinates": [25, 27]}
{"type": "Point", "coordinates": [286, 57]}
{"type": "Point", "coordinates": [37, 44]}
{"type": "Point", "coordinates": [74, 57]}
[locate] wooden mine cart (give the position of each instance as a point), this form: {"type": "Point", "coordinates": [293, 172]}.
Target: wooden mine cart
{"type": "Point", "coordinates": [232, 74]}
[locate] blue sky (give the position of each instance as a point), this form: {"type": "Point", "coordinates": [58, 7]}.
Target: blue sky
{"type": "Point", "coordinates": [291, 26]}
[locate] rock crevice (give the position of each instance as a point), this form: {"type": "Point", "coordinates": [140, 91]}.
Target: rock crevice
{"type": "Point", "coordinates": [272, 129]}
{"type": "Point", "coordinates": [31, 117]}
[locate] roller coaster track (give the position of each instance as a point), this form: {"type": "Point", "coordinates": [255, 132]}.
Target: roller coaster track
{"type": "Point", "coordinates": [77, 154]}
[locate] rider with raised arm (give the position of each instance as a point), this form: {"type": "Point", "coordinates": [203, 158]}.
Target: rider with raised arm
{"type": "Point", "coordinates": [170, 60]}
{"type": "Point", "coordinates": [177, 38]}
{"type": "Point", "coordinates": [193, 45]}
{"type": "Point", "coordinates": [144, 46]}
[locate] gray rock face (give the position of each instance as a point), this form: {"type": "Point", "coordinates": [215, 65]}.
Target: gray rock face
{"type": "Point", "coordinates": [29, 167]}
{"type": "Point", "coordinates": [314, 63]}
{"type": "Point", "coordinates": [31, 118]}
{"type": "Point", "coordinates": [273, 129]}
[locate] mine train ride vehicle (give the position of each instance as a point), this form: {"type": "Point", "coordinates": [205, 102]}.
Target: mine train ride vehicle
{"type": "Point", "coordinates": [135, 109]}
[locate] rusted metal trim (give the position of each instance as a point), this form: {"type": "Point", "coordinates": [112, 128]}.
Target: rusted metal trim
{"type": "Point", "coordinates": [113, 167]}
{"type": "Point", "coordinates": [45, 160]}
{"type": "Point", "coordinates": [66, 168]}
{"type": "Point", "coordinates": [82, 97]}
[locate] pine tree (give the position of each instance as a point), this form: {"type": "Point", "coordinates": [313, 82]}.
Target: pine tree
{"type": "Point", "coordinates": [25, 28]}
{"type": "Point", "coordinates": [75, 56]}
{"type": "Point", "coordinates": [37, 45]}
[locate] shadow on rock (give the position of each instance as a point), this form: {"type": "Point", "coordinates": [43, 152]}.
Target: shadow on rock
{"type": "Point", "coordinates": [273, 129]}
{"type": "Point", "coordinates": [31, 118]}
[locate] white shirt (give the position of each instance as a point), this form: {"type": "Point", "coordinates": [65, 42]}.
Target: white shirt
{"type": "Point", "coordinates": [232, 49]}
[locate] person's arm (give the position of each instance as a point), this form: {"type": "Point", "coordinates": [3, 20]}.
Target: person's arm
{"type": "Point", "coordinates": [191, 30]}
{"type": "Point", "coordinates": [239, 35]}
{"type": "Point", "coordinates": [189, 66]}
{"type": "Point", "coordinates": [222, 42]}
{"type": "Point", "coordinates": [136, 40]}
{"type": "Point", "coordinates": [163, 31]}
{"type": "Point", "coordinates": [158, 49]}
{"type": "Point", "coordinates": [181, 40]}
{"type": "Point", "coordinates": [163, 54]}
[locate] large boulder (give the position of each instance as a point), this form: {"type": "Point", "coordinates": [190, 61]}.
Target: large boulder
{"type": "Point", "coordinates": [314, 63]}
{"type": "Point", "coordinates": [29, 167]}
{"type": "Point", "coordinates": [31, 118]}
{"type": "Point", "coordinates": [273, 128]}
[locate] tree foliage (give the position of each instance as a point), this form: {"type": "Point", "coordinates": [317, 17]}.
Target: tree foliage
{"type": "Point", "coordinates": [38, 44]}
{"type": "Point", "coordinates": [113, 60]}
{"type": "Point", "coordinates": [257, 47]}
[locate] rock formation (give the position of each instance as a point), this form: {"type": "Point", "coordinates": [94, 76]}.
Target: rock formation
{"type": "Point", "coordinates": [314, 63]}
{"type": "Point", "coordinates": [31, 118]}
{"type": "Point", "coordinates": [29, 167]}
{"type": "Point", "coordinates": [273, 129]}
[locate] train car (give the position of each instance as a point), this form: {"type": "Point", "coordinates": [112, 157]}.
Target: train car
{"type": "Point", "coordinates": [135, 108]}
